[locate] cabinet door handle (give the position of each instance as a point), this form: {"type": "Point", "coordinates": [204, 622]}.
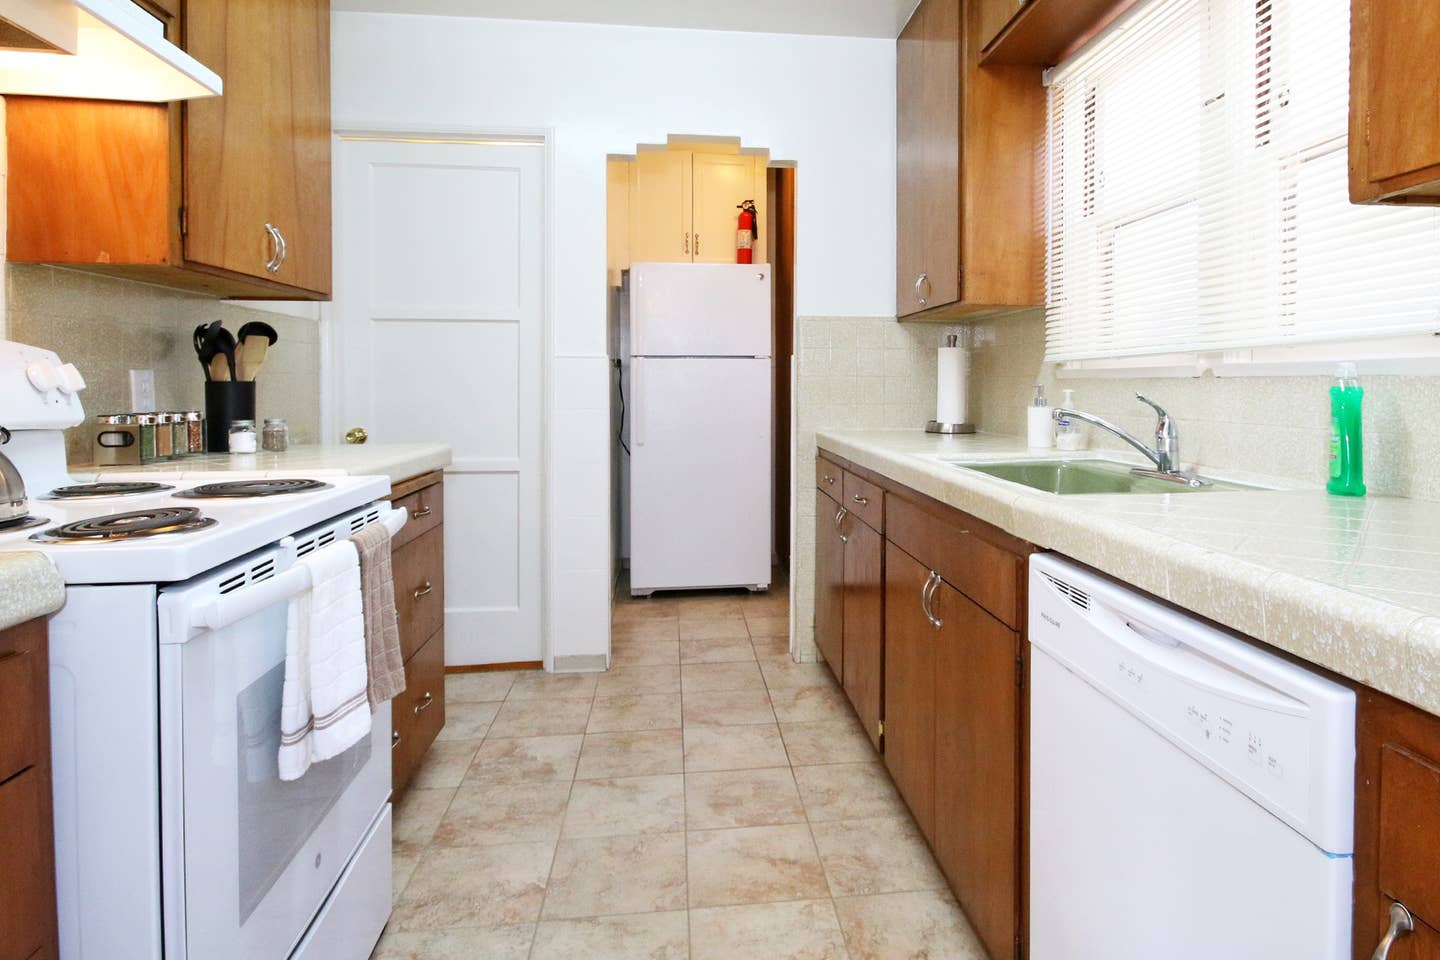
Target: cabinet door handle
{"type": "Point", "coordinates": [423, 590]}
{"type": "Point", "coordinates": [922, 281]}
{"type": "Point", "coordinates": [420, 514]}
{"type": "Point", "coordinates": [424, 703]}
{"type": "Point", "coordinates": [284, 250]}
{"type": "Point", "coordinates": [927, 596]}
{"type": "Point", "coordinates": [829, 479]}
{"type": "Point", "coordinates": [839, 516]}
{"type": "Point", "coordinates": [394, 739]}
{"type": "Point", "coordinates": [687, 243]}
{"type": "Point", "coordinates": [860, 500]}
{"type": "Point", "coordinates": [697, 244]}
{"type": "Point", "coordinates": [273, 264]}
{"type": "Point", "coordinates": [1400, 924]}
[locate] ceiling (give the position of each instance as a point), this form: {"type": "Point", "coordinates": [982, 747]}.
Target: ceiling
{"type": "Point", "coordinates": [839, 18]}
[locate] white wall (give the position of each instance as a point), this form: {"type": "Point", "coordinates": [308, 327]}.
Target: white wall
{"type": "Point", "coordinates": [827, 103]}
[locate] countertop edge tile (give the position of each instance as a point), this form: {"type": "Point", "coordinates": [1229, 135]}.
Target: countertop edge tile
{"type": "Point", "coordinates": [398, 461]}
{"type": "Point", "coordinates": [1173, 546]}
{"type": "Point", "coordinates": [30, 587]}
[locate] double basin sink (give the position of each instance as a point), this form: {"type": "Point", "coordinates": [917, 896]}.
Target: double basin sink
{"type": "Point", "coordinates": [1066, 477]}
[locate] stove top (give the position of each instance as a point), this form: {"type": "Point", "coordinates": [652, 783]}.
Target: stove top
{"type": "Point", "coordinates": [130, 488]}
{"type": "Point", "coordinates": [245, 489]}
{"type": "Point", "coordinates": [23, 523]}
{"type": "Point", "coordinates": [136, 524]}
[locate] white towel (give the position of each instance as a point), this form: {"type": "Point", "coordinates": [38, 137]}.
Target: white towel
{"type": "Point", "coordinates": [323, 707]}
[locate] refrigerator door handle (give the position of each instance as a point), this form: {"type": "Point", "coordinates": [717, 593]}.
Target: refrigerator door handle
{"type": "Point", "coordinates": [637, 405]}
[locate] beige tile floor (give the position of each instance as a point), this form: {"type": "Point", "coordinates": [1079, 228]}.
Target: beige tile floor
{"type": "Point", "coordinates": [705, 799]}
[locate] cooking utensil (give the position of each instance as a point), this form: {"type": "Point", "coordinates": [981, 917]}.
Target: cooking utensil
{"type": "Point", "coordinates": [204, 340]}
{"type": "Point", "coordinates": [256, 338]}
{"type": "Point", "coordinates": [225, 346]}
{"type": "Point", "coordinates": [13, 503]}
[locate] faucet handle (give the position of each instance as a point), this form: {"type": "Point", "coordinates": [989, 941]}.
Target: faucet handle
{"type": "Point", "coordinates": [1151, 403]}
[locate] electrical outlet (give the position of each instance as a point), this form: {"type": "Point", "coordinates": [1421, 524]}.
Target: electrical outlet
{"type": "Point", "coordinates": [142, 390]}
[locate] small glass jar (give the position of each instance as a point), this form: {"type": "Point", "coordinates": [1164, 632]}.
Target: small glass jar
{"type": "Point", "coordinates": [179, 435]}
{"type": "Point", "coordinates": [195, 431]}
{"type": "Point", "coordinates": [276, 437]}
{"type": "Point", "coordinates": [242, 436]}
{"type": "Point", "coordinates": [164, 437]}
{"type": "Point", "coordinates": [148, 427]}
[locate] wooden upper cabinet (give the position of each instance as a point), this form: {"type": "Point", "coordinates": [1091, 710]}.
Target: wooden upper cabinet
{"type": "Point", "coordinates": [722, 182]}
{"type": "Point", "coordinates": [969, 235]}
{"type": "Point", "coordinates": [660, 207]}
{"type": "Point", "coordinates": [260, 155]}
{"type": "Point", "coordinates": [1394, 101]}
{"type": "Point", "coordinates": [991, 16]}
{"type": "Point", "coordinates": [179, 194]}
{"type": "Point", "coordinates": [684, 204]}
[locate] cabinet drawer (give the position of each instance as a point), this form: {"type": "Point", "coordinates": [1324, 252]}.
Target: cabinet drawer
{"type": "Point", "coordinates": [425, 509]}
{"type": "Point", "coordinates": [1409, 845]}
{"type": "Point", "coordinates": [419, 568]}
{"type": "Point", "coordinates": [828, 479]}
{"type": "Point", "coordinates": [27, 922]}
{"type": "Point", "coordinates": [865, 500]}
{"type": "Point", "coordinates": [23, 680]}
{"type": "Point", "coordinates": [983, 572]}
{"type": "Point", "coordinates": [424, 697]}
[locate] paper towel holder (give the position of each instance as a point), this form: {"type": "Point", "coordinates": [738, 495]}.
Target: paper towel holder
{"type": "Point", "coordinates": [936, 426]}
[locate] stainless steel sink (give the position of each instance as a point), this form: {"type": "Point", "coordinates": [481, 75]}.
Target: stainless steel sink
{"type": "Point", "coordinates": [1066, 477]}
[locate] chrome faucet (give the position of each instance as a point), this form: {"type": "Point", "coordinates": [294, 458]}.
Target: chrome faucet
{"type": "Point", "coordinates": [1166, 453]}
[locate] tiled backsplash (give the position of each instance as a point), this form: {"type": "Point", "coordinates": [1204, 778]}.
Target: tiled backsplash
{"type": "Point", "coordinates": [107, 327]}
{"type": "Point", "coordinates": [1275, 427]}
{"type": "Point", "coordinates": [853, 373]}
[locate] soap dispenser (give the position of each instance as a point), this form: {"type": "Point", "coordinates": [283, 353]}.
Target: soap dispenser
{"type": "Point", "coordinates": [1068, 435]}
{"type": "Point", "coordinates": [1039, 426]}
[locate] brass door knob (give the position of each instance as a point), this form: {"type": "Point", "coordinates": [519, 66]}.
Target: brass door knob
{"type": "Point", "coordinates": [356, 435]}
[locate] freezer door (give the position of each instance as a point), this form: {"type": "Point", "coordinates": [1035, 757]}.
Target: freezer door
{"type": "Point", "coordinates": [700, 476]}
{"type": "Point", "coordinates": [700, 310]}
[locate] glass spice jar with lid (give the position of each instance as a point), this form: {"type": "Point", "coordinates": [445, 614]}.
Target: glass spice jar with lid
{"type": "Point", "coordinates": [179, 435]}
{"type": "Point", "coordinates": [164, 437]}
{"type": "Point", "coordinates": [276, 438]}
{"type": "Point", "coordinates": [242, 436]}
{"type": "Point", "coordinates": [148, 424]}
{"type": "Point", "coordinates": [195, 431]}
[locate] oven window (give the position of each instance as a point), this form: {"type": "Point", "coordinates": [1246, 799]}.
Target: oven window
{"type": "Point", "coordinates": [277, 817]}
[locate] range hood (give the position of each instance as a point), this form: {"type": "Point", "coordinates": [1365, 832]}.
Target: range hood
{"type": "Point", "coordinates": [95, 49]}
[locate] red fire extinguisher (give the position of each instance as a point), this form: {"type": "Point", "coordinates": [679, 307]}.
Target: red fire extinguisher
{"type": "Point", "coordinates": [746, 233]}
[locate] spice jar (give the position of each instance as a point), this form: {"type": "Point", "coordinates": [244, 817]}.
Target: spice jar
{"type": "Point", "coordinates": [179, 435]}
{"type": "Point", "coordinates": [164, 438]}
{"type": "Point", "coordinates": [195, 431]}
{"type": "Point", "coordinates": [276, 437]}
{"type": "Point", "coordinates": [242, 436]}
{"type": "Point", "coordinates": [148, 425]}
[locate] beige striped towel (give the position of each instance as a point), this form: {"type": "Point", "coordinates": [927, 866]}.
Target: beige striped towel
{"type": "Point", "coordinates": [382, 631]}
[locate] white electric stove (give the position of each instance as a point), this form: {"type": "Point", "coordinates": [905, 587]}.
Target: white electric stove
{"type": "Point", "coordinates": [175, 837]}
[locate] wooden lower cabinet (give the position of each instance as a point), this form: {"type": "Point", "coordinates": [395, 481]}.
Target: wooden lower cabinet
{"type": "Point", "coordinates": [829, 583]}
{"type": "Point", "coordinates": [27, 833]}
{"type": "Point", "coordinates": [418, 560]}
{"type": "Point", "coordinates": [864, 624]}
{"type": "Point", "coordinates": [910, 686]}
{"type": "Point", "coordinates": [1397, 813]}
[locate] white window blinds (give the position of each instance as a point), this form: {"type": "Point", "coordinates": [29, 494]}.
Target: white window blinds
{"type": "Point", "coordinates": [1198, 200]}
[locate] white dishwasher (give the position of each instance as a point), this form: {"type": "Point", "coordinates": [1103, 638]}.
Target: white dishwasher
{"type": "Point", "coordinates": [1191, 795]}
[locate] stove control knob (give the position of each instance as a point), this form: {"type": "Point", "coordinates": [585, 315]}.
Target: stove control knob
{"type": "Point", "coordinates": [43, 375]}
{"type": "Point", "coordinates": [71, 382]}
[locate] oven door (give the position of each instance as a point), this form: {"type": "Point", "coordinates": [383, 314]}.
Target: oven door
{"type": "Point", "coordinates": [248, 859]}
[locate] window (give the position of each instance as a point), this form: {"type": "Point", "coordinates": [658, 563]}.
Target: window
{"type": "Point", "coordinates": [1198, 198]}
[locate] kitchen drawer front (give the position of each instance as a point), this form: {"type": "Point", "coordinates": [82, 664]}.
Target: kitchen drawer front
{"type": "Point", "coordinates": [988, 575]}
{"type": "Point", "coordinates": [424, 698]}
{"type": "Point", "coordinates": [865, 500]}
{"type": "Point", "coordinates": [419, 568]}
{"type": "Point", "coordinates": [829, 479]}
{"type": "Point", "coordinates": [425, 509]}
{"type": "Point", "coordinates": [24, 677]}
{"type": "Point", "coordinates": [1409, 844]}
{"type": "Point", "coordinates": [27, 920]}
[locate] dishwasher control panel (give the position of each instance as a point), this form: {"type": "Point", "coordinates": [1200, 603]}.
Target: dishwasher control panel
{"type": "Point", "coordinates": [1269, 727]}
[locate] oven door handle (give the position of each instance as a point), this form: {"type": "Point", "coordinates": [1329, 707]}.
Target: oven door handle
{"type": "Point", "coordinates": [217, 613]}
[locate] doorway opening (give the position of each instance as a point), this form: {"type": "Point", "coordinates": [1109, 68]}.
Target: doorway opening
{"type": "Point", "coordinates": [701, 344]}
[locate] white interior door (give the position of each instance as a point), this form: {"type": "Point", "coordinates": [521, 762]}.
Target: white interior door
{"type": "Point", "coordinates": [439, 306]}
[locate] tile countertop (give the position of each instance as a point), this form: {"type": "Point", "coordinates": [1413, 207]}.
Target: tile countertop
{"type": "Point", "coordinates": [398, 461]}
{"type": "Point", "coordinates": [1352, 585]}
{"type": "Point", "coordinates": [30, 587]}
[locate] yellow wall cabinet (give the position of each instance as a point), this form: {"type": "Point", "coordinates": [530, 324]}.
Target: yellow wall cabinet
{"type": "Point", "coordinates": [684, 204]}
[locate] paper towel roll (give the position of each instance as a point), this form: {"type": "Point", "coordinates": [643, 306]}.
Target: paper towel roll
{"type": "Point", "coordinates": [952, 385]}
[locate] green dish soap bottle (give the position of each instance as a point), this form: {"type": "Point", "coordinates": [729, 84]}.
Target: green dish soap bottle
{"type": "Point", "coordinates": [1347, 459]}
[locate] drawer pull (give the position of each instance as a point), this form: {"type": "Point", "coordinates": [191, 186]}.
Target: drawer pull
{"type": "Point", "coordinates": [1400, 924]}
{"type": "Point", "coordinates": [424, 703]}
{"type": "Point", "coordinates": [829, 479]}
{"type": "Point", "coordinates": [394, 739]}
{"type": "Point", "coordinates": [422, 591]}
{"type": "Point", "coordinates": [860, 500]}
{"type": "Point", "coordinates": [420, 514]}
{"type": "Point", "coordinates": [927, 595]}
{"type": "Point", "coordinates": [839, 516]}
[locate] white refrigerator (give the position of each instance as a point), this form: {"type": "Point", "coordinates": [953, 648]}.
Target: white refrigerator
{"type": "Point", "coordinates": [700, 426]}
